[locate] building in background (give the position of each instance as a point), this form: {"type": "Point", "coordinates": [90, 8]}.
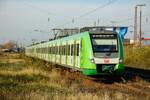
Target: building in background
{"type": "Point", "coordinates": [146, 41]}
{"type": "Point", "coordinates": [128, 41]}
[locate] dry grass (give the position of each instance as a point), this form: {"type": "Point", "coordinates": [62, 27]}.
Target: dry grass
{"type": "Point", "coordinates": [33, 79]}
{"type": "Point", "coordinates": [138, 57]}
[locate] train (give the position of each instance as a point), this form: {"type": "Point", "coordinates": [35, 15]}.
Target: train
{"type": "Point", "coordinates": [92, 51]}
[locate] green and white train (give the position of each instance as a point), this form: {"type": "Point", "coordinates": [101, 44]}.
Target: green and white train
{"type": "Point", "coordinates": [93, 51]}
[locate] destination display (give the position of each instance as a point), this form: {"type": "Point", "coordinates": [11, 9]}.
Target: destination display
{"type": "Point", "coordinates": [104, 36]}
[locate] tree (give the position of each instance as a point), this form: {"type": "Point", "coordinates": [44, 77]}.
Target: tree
{"type": "Point", "coordinates": [9, 45]}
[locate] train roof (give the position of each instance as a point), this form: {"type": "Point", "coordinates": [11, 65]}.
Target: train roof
{"type": "Point", "coordinates": [67, 32]}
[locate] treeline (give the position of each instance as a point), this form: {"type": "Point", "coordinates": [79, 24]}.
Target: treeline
{"type": "Point", "coordinates": [10, 46]}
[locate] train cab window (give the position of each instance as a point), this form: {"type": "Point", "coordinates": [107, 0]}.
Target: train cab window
{"type": "Point", "coordinates": [104, 43]}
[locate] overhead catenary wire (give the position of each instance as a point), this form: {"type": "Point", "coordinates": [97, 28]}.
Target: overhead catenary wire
{"type": "Point", "coordinates": [44, 10]}
{"type": "Point", "coordinates": [130, 19]}
{"type": "Point", "coordinates": [88, 12]}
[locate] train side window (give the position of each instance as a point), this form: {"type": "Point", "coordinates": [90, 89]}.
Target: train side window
{"type": "Point", "coordinates": [53, 50]}
{"type": "Point", "coordinates": [72, 50]}
{"type": "Point", "coordinates": [56, 50]}
{"type": "Point", "coordinates": [77, 49]}
{"type": "Point", "coordinates": [64, 49]}
{"type": "Point", "coordinates": [47, 50]}
{"type": "Point", "coordinates": [50, 50]}
{"type": "Point", "coordinates": [68, 50]}
{"type": "Point", "coordinates": [43, 50]}
{"type": "Point", "coordinates": [61, 50]}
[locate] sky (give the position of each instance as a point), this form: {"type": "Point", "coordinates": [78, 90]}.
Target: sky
{"type": "Point", "coordinates": [26, 20]}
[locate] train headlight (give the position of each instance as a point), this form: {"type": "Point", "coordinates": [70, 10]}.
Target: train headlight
{"type": "Point", "coordinates": [120, 60]}
{"type": "Point", "coordinates": [92, 60]}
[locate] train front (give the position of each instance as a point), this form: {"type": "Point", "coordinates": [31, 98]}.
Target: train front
{"type": "Point", "coordinates": [107, 48]}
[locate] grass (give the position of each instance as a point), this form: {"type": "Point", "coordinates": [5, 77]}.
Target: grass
{"type": "Point", "coordinates": [138, 57]}
{"type": "Point", "coordinates": [33, 79]}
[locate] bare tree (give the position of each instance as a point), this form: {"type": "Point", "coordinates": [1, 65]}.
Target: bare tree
{"type": "Point", "coordinates": [9, 45]}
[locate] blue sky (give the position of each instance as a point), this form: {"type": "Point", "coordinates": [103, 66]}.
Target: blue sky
{"type": "Point", "coordinates": [19, 18]}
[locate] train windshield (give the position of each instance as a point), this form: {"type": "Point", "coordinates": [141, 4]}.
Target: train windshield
{"type": "Point", "coordinates": [104, 43]}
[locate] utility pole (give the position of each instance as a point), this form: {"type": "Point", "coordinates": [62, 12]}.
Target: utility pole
{"type": "Point", "coordinates": [140, 36]}
{"type": "Point", "coordinates": [135, 25]}
{"type": "Point", "coordinates": [140, 25]}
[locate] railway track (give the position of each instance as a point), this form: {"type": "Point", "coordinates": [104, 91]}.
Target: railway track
{"type": "Point", "coordinates": [131, 72]}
